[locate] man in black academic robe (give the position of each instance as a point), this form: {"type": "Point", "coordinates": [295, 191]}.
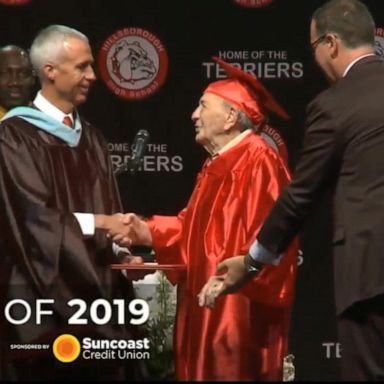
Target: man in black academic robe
{"type": "Point", "coordinates": [54, 182]}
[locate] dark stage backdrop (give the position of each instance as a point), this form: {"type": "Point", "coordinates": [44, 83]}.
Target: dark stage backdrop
{"type": "Point", "coordinates": [153, 60]}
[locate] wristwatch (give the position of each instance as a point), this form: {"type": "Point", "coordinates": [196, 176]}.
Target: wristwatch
{"type": "Point", "coordinates": [251, 265]}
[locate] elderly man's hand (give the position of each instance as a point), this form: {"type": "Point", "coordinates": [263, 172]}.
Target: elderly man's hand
{"type": "Point", "coordinates": [124, 229]}
{"type": "Point", "coordinates": [211, 291]}
{"type": "Point", "coordinates": [110, 224]}
{"type": "Point", "coordinates": [136, 232]}
{"type": "Point", "coordinates": [235, 276]}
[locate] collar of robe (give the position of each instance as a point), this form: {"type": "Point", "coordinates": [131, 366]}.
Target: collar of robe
{"type": "Point", "coordinates": [70, 136]}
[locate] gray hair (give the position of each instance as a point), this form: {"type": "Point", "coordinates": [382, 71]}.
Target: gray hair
{"type": "Point", "coordinates": [246, 123]}
{"type": "Point", "coordinates": [48, 44]}
{"type": "Point", "coordinates": [243, 121]}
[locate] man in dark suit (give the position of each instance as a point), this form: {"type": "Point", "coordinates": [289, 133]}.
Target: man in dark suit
{"type": "Point", "coordinates": [343, 149]}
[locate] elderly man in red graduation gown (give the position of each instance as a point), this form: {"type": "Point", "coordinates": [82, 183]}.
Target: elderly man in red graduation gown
{"type": "Point", "coordinates": [245, 336]}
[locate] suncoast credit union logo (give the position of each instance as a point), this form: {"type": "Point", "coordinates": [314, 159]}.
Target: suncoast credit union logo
{"type": "Point", "coordinates": [133, 63]}
{"type": "Point", "coordinates": [66, 348]}
{"type": "Point", "coordinates": [253, 3]}
{"type": "Point", "coordinates": [379, 42]}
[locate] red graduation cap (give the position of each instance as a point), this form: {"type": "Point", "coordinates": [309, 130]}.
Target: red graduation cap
{"type": "Point", "coordinates": [246, 93]}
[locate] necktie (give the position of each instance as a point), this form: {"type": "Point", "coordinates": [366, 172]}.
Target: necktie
{"type": "Point", "coordinates": [67, 121]}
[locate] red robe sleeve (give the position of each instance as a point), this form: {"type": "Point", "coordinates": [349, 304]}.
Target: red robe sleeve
{"type": "Point", "coordinates": [166, 233]}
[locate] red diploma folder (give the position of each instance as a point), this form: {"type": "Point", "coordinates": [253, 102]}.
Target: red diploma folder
{"type": "Point", "coordinates": [135, 271]}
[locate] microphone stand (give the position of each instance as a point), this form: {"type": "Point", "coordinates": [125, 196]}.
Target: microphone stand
{"type": "Point", "coordinates": [131, 165]}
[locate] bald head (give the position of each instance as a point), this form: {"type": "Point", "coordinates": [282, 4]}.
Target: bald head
{"type": "Point", "coordinates": [16, 77]}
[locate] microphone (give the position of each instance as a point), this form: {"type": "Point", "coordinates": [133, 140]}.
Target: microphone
{"type": "Point", "coordinates": [138, 150]}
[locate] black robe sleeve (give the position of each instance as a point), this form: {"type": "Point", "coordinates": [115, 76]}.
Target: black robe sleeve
{"type": "Point", "coordinates": [42, 183]}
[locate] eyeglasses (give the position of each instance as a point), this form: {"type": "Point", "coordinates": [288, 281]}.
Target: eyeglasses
{"type": "Point", "coordinates": [317, 42]}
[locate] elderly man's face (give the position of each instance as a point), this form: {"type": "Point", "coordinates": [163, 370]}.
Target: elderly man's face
{"type": "Point", "coordinates": [16, 78]}
{"type": "Point", "coordinates": [209, 119]}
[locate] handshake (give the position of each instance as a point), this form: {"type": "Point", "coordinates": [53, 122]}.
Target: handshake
{"type": "Point", "coordinates": [124, 229]}
{"type": "Point", "coordinates": [129, 229]}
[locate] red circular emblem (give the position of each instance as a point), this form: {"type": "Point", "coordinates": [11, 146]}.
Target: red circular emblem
{"type": "Point", "coordinates": [133, 63]}
{"type": "Point", "coordinates": [14, 2]}
{"type": "Point", "coordinates": [274, 139]}
{"type": "Point", "coordinates": [253, 3]}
